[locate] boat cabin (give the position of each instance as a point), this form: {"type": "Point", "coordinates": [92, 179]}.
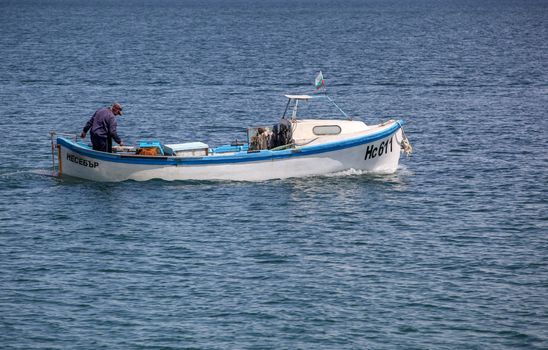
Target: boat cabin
{"type": "Point", "coordinates": [316, 131]}
{"type": "Point", "coordinates": [292, 131]}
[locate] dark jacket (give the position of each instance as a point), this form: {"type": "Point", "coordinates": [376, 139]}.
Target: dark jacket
{"type": "Point", "coordinates": [103, 128]}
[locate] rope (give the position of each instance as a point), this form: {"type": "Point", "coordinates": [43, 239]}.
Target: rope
{"type": "Point", "coordinates": [339, 108]}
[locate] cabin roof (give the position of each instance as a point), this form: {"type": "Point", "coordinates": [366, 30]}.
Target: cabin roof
{"type": "Point", "coordinates": [303, 97]}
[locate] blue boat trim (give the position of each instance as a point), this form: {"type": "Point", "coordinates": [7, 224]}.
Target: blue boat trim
{"type": "Point", "coordinates": [240, 157]}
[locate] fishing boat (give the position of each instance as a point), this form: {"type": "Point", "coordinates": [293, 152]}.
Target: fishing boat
{"type": "Point", "coordinates": [292, 147]}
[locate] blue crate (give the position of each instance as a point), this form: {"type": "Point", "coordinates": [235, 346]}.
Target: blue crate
{"type": "Point", "coordinates": [151, 144]}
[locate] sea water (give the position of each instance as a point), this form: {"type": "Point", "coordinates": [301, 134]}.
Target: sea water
{"type": "Point", "coordinates": [450, 252]}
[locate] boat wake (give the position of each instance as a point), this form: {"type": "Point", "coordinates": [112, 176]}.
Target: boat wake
{"type": "Point", "coordinates": [44, 172]}
{"type": "Point", "coordinates": [23, 173]}
{"type": "Point", "coordinates": [401, 171]}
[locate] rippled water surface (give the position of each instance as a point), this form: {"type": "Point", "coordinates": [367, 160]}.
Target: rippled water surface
{"type": "Point", "coordinates": [450, 252]}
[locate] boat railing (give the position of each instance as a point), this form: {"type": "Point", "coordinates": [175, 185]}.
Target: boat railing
{"type": "Point", "coordinates": [68, 134]}
{"type": "Point", "coordinates": [53, 136]}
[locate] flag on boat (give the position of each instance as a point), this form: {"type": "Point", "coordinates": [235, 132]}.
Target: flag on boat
{"type": "Point", "coordinates": [319, 82]}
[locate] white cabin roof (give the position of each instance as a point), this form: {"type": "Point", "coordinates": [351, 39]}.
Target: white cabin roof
{"type": "Point", "coordinates": [299, 97]}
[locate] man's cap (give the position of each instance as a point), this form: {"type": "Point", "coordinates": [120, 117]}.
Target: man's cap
{"type": "Point", "coordinates": [118, 106]}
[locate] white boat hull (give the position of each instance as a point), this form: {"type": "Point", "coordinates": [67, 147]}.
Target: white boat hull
{"type": "Point", "coordinates": [377, 152]}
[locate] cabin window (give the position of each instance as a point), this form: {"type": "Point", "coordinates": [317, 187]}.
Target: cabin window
{"type": "Point", "coordinates": [326, 130]}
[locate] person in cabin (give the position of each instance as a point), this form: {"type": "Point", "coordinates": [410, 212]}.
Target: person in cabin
{"type": "Point", "coordinates": [103, 128]}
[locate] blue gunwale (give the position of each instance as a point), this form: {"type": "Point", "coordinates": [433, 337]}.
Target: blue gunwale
{"type": "Point", "coordinates": [264, 155]}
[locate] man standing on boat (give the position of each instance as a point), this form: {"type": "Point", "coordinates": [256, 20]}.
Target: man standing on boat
{"type": "Point", "coordinates": [103, 128]}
